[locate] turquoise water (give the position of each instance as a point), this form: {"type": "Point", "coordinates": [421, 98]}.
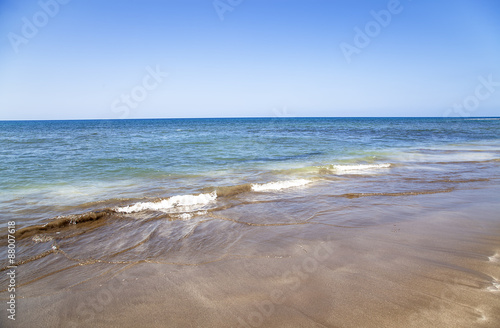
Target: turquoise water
{"type": "Point", "coordinates": [38, 153]}
{"type": "Point", "coordinates": [50, 168]}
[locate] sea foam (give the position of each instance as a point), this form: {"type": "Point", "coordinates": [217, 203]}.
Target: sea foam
{"type": "Point", "coordinates": [494, 258]}
{"type": "Point", "coordinates": [279, 185]}
{"type": "Point", "coordinates": [174, 201]}
{"type": "Point", "coordinates": [358, 168]}
{"type": "Point", "coordinates": [495, 286]}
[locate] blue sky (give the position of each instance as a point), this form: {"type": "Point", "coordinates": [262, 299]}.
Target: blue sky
{"type": "Point", "coordinates": [94, 59]}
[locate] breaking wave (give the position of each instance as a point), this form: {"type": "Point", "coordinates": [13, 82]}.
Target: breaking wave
{"type": "Point", "coordinates": [172, 202]}
{"type": "Point", "coordinates": [357, 168]}
{"type": "Point", "coordinates": [279, 185]}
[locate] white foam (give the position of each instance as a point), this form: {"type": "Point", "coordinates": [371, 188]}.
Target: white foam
{"type": "Point", "coordinates": [494, 258]}
{"type": "Point", "coordinates": [184, 216]}
{"type": "Point", "coordinates": [165, 204]}
{"type": "Point", "coordinates": [279, 185]}
{"type": "Point", "coordinates": [495, 288]}
{"type": "Point", "coordinates": [358, 168]}
{"type": "Point", "coordinates": [41, 239]}
{"type": "Point", "coordinates": [187, 216]}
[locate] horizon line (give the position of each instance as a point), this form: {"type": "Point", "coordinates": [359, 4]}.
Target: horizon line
{"type": "Point", "coordinates": [237, 117]}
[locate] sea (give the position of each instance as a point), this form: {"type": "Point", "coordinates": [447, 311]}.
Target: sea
{"type": "Point", "coordinates": [179, 168]}
{"type": "Point", "coordinates": [56, 168]}
{"type": "Point", "coordinates": [187, 191]}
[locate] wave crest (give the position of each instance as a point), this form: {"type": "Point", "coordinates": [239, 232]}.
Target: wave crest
{"type": "Point", "coordinates": [172, 202]}
{"type": "Point", "coordinates": [357, 168]}
{"type": "Point", "coordinates": [278, 185]}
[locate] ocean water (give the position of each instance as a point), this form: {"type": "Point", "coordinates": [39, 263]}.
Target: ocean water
{"type": "Point", "coordinates": [94, 198]}
{"type": "Point", "coordinates": [52, 168]}
{"type": "Point", "coordinates": [64, 173]}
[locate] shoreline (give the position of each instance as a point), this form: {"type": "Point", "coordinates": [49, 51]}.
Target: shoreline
{"type": "Point", "coordinates": [436, 268]}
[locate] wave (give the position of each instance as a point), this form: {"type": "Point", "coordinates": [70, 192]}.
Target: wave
{"type": "Point", "coordinates": [279, 185]}
{"type": "Point", "coordinates": [172, 202]}
{"type": "Point", "coordinates": [193, 202]}
{"type": "Point", "coordinates": [61, 222]}
{"type": "Point", "coordinates": [185, 207]}
{"type": "Point", "coordinates": [188, 205]}
{"type": "Point", "coordinates": [357, 168]}
{"type": "Point", "coordinates": [394, 194]}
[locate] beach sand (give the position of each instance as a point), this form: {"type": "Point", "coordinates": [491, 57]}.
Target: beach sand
{"type": "Point", "coordinates": [432, 263]}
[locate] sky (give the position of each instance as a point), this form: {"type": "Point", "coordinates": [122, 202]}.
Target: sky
{"type": "Point", "coordinates": [94, 59]}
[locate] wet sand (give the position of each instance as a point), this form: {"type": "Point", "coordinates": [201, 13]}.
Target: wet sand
{"type": "Point", "coordinates": [432, 265]}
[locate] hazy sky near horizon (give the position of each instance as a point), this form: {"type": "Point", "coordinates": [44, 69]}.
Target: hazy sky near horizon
{"type": "Point", "coordinates": [85, 59]}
